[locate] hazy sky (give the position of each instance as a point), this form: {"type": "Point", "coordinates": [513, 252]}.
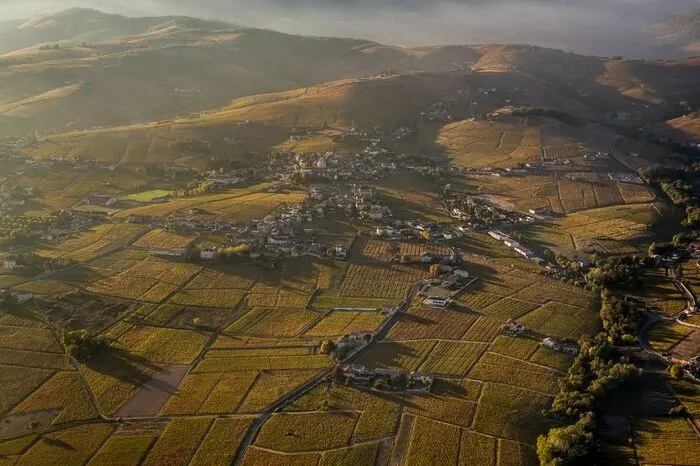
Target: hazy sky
{"type": "Point", "coordinates": [603, 27]}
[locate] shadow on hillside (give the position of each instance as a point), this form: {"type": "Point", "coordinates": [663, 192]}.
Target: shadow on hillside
{"type": "Point", "coordinates": [128, 368]}
{"type": "Point", "coordinates": [53, 442]}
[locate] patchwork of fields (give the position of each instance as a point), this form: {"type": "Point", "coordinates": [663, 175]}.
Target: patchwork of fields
{"type": "Point", "coordinates": [198, 349]}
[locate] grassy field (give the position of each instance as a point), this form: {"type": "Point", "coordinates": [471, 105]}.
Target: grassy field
{"type": "Point", "coordinates": [180, 439]}
{"type": "Point", "coordinates": [162, 345]}
{"type": "Point", "coordinates": [276, 322]}
{"type": "Point", "coordinates": [210, 393]}
{"type": "Point", "coordinates": [337, 323]}
{"type": "Point", "coordinates": [71, 446]}
{"type": "Point", "coordinates": [451, 358]}
{"type": "Point", "coordinates": [241, 204]}
{"type": "Point", "coordinates": [511, 413]}
{"type": "Point", "coordinates": [380, 281]}
{"type": "Point", "coordinates": [17, 383]}
{"type": "Point", "coordinates": [100, 240]}
{"type": "Point", "coordinates": [412, 196]}
{"type": "Point", "coordinates": [64, 392]}
{"type": "Point", "coordinates": [307, 432]}
{"type": "Point", "coordinates": [221, 442]}
{"type": "Point", "coordinates": [666, 441]}
{"type": "Point", "coordinates": [148, 196]}
{"type": "Point", "coordinates": [123, 448]}
{"type": "Point", "coordinates": [433, 443]}
{"type": "Point", "coordinates": [502, 143]}
{"type": "Point", "coordinates": [666, 335]}
{"type": "Point", "coordinates": [424, 324]}
{"type": "Point", "coordinates": [164, 239]}
{"type": "Point", "coordinates": [403, 356]}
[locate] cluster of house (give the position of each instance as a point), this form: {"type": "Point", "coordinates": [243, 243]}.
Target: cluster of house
{"type": "Point", "coordinates": [388, 380]}
{"type": "Point", "coordinates": [474, 210]}
{"type": "Point", "coordinates": [59, 228]}
{"type": "Point", "coordinates": [513, 244]}
{"type": "Point", "coordinates": [439, 291]}
{"type": "Point", "coordinates": [373, 162]}
{"type": "Point", "coordinates": [439, 111]}
{"type": "Point", "coordinates": [515, 328]}
{"type": "Point", "coordinates": [626, 178]}
{"type": "Point", "coordinates": [394, 230]}
{"type": "Point", "coordinates": [561, 346]}
{"type": "Point", "coordinates": [15, 197]}
{"type": "Point", "coordinates": [352, 342]}
{"type": "Point", "coordinates": [597, 156]}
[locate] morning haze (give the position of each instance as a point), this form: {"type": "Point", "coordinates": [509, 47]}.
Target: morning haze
{"type": "Point", "coordinates": [600, 27]}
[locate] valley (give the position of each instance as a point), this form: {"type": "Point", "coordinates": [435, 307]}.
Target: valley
{"type": "Point", "coordinates": [226, 245]}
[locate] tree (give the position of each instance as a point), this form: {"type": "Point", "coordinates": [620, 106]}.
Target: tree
{"type": "Point", "coordinates": [81, 345]}
{"type": "Point", "coordinates": [652, 251]}
{"type": "Point", "coordinates": [571, 445]}
{"type": "Point", "coordinates": [327, 347]}
{"type": "Point", "coordinates": [338, 375]}
{"type": "Point", "coordinates": [676, 371]}
{"type": "Point", "coordinates": [435, 270]}
{"type": "Point", "coordinates": [7, 302]}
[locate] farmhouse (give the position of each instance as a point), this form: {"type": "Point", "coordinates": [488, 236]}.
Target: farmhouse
{"type": "Point", "coordinates": [420, 382]}
{"type": "Point", "coordinates": [9, 263]}
{"type": "Point", "coordinates": [168, 252]}
{"type": "Point", "coordinates": [389, 380]}
{"type": "Point", "coordinates": [223, 180]}
{"type": "Point", "coordinates": [279, 240]}
{"type": "Point", "coordinates": [438, 302]}
{"type": "Point", "coordinates": [498, 235]}
{"type": "Point", "coordinates": [208, 254]}
{"type": "Point", "coordinates": [340, 251]}
{"type": "Point", "coordinates": [357, 373]}
{"type": "Point", "coordinates": [560, 346]}
{"type": "Point", "coordinates": [514, 327]}
{"type": "Point", "coordinates": [353, 341]}
{"type": "Point", "coordinates": [101, 199]}
{"type": "Point", "coordinates": [540, 212]}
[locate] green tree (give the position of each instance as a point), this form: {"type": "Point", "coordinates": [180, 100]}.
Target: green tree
{"type": "Point", "coordinates": [327, 347]}
{"type": "Point", "coordinates": [676, 371]}
{"type": "Point", "coordinates": [81, 345]}
{"type": "Point", "coordinates": [571, 445]}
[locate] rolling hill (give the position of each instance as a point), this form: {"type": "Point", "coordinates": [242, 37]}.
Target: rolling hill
{"type": "Point", "coordinates": [155, 68]}
{"type": "Point", "coordinates": [78, 25]}
{"type": "Point", "coordinates": [683, 30]}
{"type": "Point", "coordinates": [590, 91]}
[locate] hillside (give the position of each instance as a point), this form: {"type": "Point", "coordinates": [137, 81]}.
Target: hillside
{"type": "Point", "coordinates": [78, 25]}
{"type": "Point", "coordinates": [578, 89]}
{"type": "Point", "coordinates": [152, 69]}
{"type": "Point", "coordinates": [682, 30]}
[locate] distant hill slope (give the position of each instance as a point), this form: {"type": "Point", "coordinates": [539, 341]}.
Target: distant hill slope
{"type": "Point", "coordinates": [682, 30]}
{"type": "Point", "coordinates": [571, 88]}
{"type": "Point", "coordinates": [78, 25]}
{"type": "Point", "coordinates": [154, 68]}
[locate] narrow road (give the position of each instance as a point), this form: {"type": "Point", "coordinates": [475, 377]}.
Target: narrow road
{"type": "Point", "coordinates": [290, 397]}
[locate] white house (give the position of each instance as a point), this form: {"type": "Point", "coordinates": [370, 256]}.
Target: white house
{"type": "Point", "coordinates": [170, 252]}
{"type": "Point", "coordinates": [514, 326]}
{"type": "Point", "coordinates": [560, 346]}
{"type": "Point", "coordinates": [340, 251]}
{"type": "Point", "coordinates": [208, 254]}
{"type": "Point", "coordinates": [436, 301]}
{"type": "Point", "coordinates": [9, 263]}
